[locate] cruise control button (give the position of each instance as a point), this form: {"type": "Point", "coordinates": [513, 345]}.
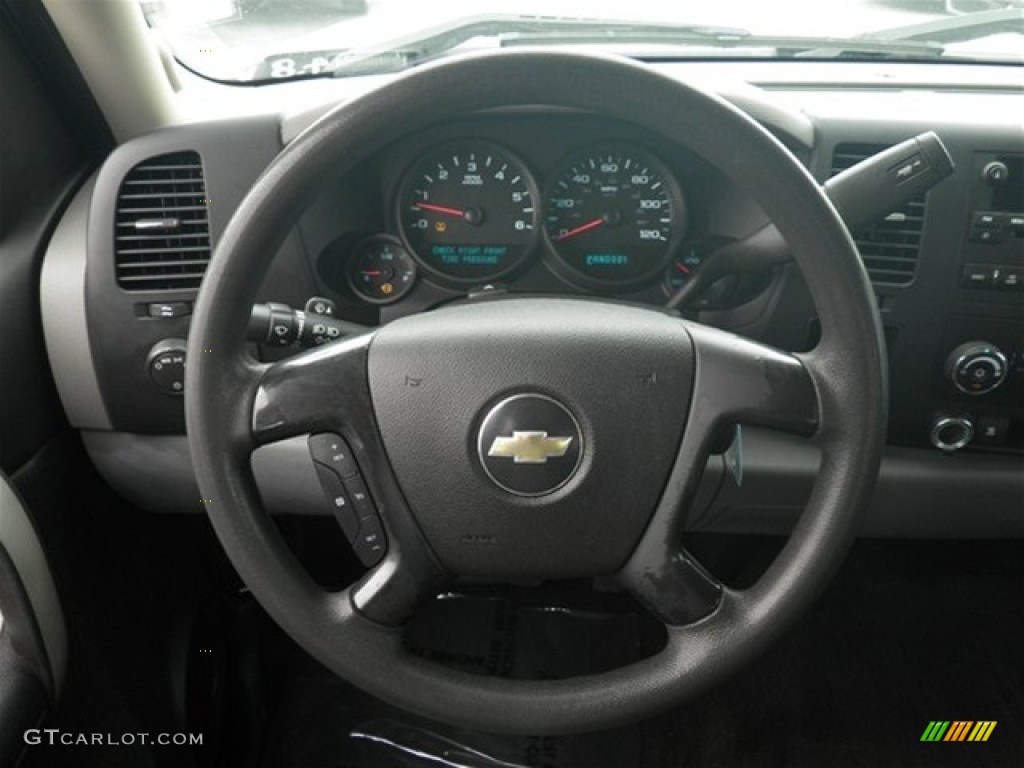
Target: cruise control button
{"type": "Point", "coordinates": [360, 497]}
{"type": "Point", "coordinates": [331, 450]}
{"type": "Point", "coordinates": [371, 543]}
{"type": "Point", "coordinates": [341, 506]}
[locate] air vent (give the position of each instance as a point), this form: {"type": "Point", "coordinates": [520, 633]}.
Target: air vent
{"type": "Point", "coordinates": [162, 237]}
{"type": "Point", "coordinates": [891, 246]}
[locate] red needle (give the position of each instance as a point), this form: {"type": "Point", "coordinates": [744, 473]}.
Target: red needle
{"type": "Point", "coordinates": [440, 209]}
{"type": "Point", "coordinates": [581, 229]}
{"type": "Point", "coordinates": [372, 272]}
{"type": "Point", "coordinates": [681, 268]}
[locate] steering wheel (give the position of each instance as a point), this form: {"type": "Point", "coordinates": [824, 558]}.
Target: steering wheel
{"type": "Point", "coordinates": [536, 438]}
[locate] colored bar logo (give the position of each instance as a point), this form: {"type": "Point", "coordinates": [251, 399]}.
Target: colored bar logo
{"type": "Point", "coordinates": [958, 730]}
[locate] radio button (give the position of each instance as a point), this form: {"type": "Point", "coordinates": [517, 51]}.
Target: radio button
{"type": "Point", "coordinates": [986, 220]}
{"type": "Point", "coordinates": [992, 430]}
{"type": "Point", "coordinates": [1011, 279]}
{"type": "Point", "coordinates": [977, 276]}
{"type": "Point", "coordinates": [984, 235]}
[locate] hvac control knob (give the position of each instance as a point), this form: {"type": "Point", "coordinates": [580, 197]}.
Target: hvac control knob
{"type": "Point", "coordinates": [165, 364]}
{"type": "Point", "coordinates": [951, 433]}
{"type": "Point", "coordinates": [995, 172]}
{"type": "Point", "coordinates": [976, 368]}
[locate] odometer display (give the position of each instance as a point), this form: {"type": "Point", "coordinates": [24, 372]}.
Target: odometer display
{"type": "Point", "coordinates": [613, 215]}
{"type": "Point", "coordinates": [468, 211]}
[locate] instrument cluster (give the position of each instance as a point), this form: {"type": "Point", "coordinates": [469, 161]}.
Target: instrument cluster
{"type": "Point", "coordinates": [597, 212]}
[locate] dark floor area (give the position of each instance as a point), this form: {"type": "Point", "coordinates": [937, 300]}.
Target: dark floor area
{"type": "Point", "coordinates": [164, 639]}
{"type": "Point", "coordinates": [909, 632]}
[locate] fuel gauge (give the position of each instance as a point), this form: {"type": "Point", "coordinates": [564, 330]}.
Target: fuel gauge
{"type": "Point", "coordinates": [688, 259]}
{"type": "Point", "coordinates": [380, 270]}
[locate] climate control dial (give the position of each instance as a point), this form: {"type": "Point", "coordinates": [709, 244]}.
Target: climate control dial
{"type": "Point", "coordinates": [976, 367]}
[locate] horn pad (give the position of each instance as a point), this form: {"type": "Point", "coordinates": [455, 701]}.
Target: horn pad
{"type": "Point", "coordinates": [532, 438]}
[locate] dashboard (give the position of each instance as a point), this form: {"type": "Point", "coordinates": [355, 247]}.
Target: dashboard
{"type": "Point", "coordinates": [548, 201]}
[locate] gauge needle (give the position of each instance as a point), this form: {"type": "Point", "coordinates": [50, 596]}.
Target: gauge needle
{"type": "Point", "coordinates": [439, 209]}
{"type": "Point", "coordinates": [683, 269]}
{"type": "Point", "coordinates": [581, 229]}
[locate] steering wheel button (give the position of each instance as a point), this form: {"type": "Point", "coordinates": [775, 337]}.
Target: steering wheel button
{"type": "Point", "coordinates": [360, 497]}
{"type": "Point", "coordinates": [371, 543]}
{"type": "Point", "coordinates": [332, 451]}
{"type": "Point", "coordinates": [342, 508]}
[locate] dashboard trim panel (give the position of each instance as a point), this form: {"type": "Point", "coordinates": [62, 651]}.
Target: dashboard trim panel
{"type": "Point", "coordinates": [65, 322]}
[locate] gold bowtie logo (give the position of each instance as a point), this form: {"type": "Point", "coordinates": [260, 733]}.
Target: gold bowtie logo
{"type": "Point", "coordinates": [529, 447]}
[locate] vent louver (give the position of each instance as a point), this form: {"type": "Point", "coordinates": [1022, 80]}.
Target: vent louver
{"type": "Point", "coordinates": [890, 247]}
{"type": "Point", "coordinates": [162, 232]}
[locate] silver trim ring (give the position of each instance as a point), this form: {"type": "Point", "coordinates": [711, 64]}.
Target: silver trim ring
{"type": "Point", "coordinates": [993, 354]}
{"type": "Point", "coordinates": [482, 451]}
{"type": "Point", "coordinates": [956, 445]}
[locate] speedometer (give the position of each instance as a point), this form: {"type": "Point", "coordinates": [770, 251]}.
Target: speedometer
{"type": "Point", "coordinates": [468, 211]}
{"type": "Point", "coordinates": [614, 214]}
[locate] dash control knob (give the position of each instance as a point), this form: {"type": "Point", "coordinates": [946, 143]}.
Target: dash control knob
{"type": "Point", "coordinates": [951, 433]}
{"type": "Point", "coordinates": [165, 364]}
{"type": "Point", "coordinates": [995, 172]}
{"type": "Point", "coordinates": [976, 367]}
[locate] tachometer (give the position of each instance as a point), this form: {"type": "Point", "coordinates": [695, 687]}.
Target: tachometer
{"type": "Point", "coordinates": [614, 215]}
{"type": "Point", "coordinates": [468, 211]}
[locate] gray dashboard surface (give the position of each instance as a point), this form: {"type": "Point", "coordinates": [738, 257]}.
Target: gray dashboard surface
{"type": "Point", "coordinates": [920, 494]}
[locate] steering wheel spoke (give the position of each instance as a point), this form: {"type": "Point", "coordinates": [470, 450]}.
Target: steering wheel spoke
{"type": "Point", "coordinates": [390, 593]}
{"type": "Point", "coordinates": [675, 588]}
{"type": "Point", "coordinates": [741, 381]}
{"type": "Point", "coordinates": [318, 391]}
{"type": "Point", "coordinates": [325, 391]}
{"type": "Point", "coordinates": [735, 381]}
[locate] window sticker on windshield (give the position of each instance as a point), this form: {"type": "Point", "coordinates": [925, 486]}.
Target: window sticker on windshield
{"type": "Point", "coordinates": [306, 63]}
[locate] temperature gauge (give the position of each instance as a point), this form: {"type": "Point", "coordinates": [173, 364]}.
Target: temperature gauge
{"type": "Point", "coordinates": [380, 270]}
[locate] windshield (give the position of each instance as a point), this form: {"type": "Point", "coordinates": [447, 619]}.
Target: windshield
{"type": "Point", "coordinates": [268, 40]}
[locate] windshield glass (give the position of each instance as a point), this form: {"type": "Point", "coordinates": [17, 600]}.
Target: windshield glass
{"type": "Point", "coordinates": [266, 40]}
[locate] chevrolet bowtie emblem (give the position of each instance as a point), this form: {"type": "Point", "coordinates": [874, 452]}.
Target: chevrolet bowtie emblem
{"type": "Point", "coordinates": [529, 447]}
{"type": "Point", "coordinates": [530, 473]}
